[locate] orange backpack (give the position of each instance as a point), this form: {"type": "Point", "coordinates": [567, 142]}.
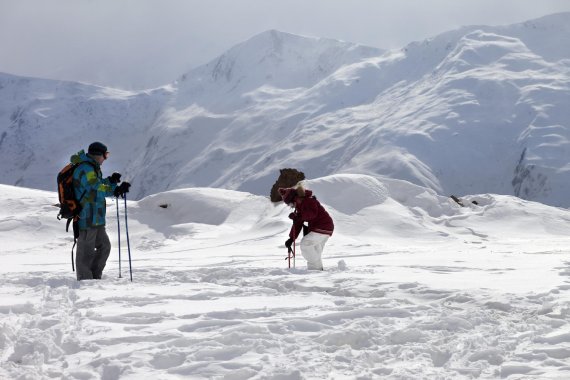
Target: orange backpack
{"type": "Point", "coordinates": [69, 205]}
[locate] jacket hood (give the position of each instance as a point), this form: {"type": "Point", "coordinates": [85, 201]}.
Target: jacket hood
{"type": "Point", "coordinates": [80, 157]}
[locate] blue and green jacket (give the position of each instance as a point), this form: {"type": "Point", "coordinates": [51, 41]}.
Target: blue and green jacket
{"type": "Point", "coordinates": [90, 190]}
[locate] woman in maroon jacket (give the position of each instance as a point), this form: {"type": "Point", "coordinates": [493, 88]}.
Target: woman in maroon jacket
{"type": "Point", "coordinates": [321, 226]}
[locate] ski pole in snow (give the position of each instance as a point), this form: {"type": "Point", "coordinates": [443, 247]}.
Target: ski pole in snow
{"type": "Point", "coordinates": [127, 231]}
{"type": "Point", "coordinates": [294, 241]}
{"type": "Point", "coordinates": [119, 234]}
{"type": "Point", "coordinates": [294, 245]}
{"type": "Point", "coordinates": [289, 251]}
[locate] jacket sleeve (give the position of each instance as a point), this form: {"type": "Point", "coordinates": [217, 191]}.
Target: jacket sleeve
{"type": "Point", "coordinates": [308, 211]}
{"type": "Point", "coordinates": [296, 229]}
{"type": "Point", "coordinates": [105, 186]}
{"type": "Point", "coordinates": [90, 185]}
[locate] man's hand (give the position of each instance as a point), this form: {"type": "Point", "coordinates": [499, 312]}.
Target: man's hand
{"type": "Point", "coordinates": [115, 178]}
{"type": "Point", "coordinates": [122, 189]}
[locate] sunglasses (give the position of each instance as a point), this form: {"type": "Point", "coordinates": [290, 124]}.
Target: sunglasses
{"type": "Point", "coordinates": [106, 155]}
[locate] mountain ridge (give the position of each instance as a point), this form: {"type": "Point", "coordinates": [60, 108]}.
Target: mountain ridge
{"type": "Point", "coordinates": [474, 110]}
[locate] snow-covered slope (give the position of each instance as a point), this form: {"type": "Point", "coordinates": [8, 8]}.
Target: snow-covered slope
{"type": "Point", "coordinates": [414, 287]}
{"type": "Point", "coordinates": [42, 122]}
{"type": "Point", "coordinates": [273, 60]}
{"type": "Point", "coordinates": [476, 110]}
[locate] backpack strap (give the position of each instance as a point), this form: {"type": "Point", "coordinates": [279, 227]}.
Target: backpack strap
{"type": "Point", "coordinates": [75, 236]}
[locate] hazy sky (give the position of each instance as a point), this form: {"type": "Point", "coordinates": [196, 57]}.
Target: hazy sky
{"type": "Point", "coordinates": [136, 44]}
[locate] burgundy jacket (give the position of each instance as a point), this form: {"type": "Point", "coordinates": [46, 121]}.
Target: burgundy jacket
{"type": "Point", "coordinates": [313, 212]}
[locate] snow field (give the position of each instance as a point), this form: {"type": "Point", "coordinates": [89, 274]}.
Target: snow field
{"type": "Point", "coordinates": [415, 287]}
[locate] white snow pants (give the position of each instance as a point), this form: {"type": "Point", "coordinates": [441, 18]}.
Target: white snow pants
{"type": "Point", "coordinates": [312, 246]}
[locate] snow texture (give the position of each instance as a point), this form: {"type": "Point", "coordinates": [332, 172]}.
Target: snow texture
{"type": "Point", "coordinates": [415, 287]}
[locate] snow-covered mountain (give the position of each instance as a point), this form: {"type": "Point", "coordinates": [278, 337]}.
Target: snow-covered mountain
{"type": "Point", "coordinates": [476, 110]}
{"type": "Point", "coordinates": [43, 121]}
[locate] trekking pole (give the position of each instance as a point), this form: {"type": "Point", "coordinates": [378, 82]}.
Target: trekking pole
{"type": "Point", "coordinates": [127, 231]}
{"type": "Point", "coordinates": [119, 234]}
{"type": "Point", "coordinates": [294, 244]}
{"type": "Point", "coordinates": [289, 251]}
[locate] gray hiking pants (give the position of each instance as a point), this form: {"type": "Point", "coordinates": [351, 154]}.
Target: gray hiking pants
{"type": "Point", "coordinates": [93, 248]}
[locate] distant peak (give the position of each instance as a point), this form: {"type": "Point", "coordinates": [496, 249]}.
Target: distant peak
{"type": "Point", "coordinates": [274, 33]}
{"type": "Point", "coordinates": [562, 19]}
{"type": "Point", "coordinates": [278, 39]}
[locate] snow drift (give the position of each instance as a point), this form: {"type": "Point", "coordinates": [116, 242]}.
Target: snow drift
{"type": "Point", "coordinates": [415, 286]}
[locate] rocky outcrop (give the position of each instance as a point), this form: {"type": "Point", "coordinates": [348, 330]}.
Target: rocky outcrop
{"type": "Point", "coordinates": [528, 183]}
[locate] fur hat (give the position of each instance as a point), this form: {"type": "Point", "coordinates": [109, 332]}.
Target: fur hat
{"type": "Point", "coordinates": [289, 194]}
{"type": "Point", "coordinates": [300, 190]}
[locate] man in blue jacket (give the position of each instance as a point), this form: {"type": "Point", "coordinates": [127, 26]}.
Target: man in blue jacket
{"type": "Point", "coordinates": [93, 245]}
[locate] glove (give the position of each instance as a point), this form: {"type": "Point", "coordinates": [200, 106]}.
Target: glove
{"type": "Point", "coordinates": [288, 244]}
{"type": "Point", "coordinates": [115, 178]}
{"type": "Point", "coordinates": [122, 189]}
